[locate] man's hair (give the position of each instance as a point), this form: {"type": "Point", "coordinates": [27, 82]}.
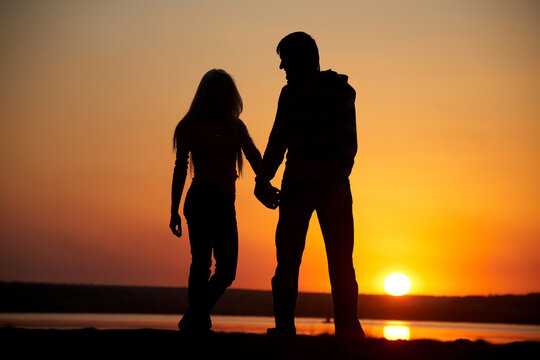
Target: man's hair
{"type": "Point", "coordinates": [301, 46]}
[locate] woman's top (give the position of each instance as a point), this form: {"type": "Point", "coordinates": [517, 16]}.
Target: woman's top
{"type": "Point", "coordinates": [214, 156]}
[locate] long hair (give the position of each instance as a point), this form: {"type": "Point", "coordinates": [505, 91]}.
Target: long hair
{"type": "Point", "coordinates": [203, 102]}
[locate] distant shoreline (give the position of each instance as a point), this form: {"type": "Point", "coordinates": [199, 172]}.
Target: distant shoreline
{"type": "Point", "coordinates": [73, 298]}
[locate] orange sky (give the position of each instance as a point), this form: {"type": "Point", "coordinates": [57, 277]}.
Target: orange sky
{"type": "Point", "coordinates": [445, 184]}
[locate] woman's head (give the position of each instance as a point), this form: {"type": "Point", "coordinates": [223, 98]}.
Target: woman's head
{"type": "Point", "coordinates": [217, 96]}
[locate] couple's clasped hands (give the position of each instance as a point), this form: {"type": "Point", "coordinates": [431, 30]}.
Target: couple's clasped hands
{"type": "Point", "coordinates": [267, 194]}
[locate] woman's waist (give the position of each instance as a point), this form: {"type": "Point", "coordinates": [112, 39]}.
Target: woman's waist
{"type": "Point", "coordinates": [225, 185]}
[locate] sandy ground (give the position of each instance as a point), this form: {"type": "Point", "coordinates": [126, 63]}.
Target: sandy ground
{"type": "Point", "coordinates": [163, 344]}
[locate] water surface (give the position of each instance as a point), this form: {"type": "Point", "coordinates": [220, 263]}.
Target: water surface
{"type": "Point", "coordinates": [392, 330]}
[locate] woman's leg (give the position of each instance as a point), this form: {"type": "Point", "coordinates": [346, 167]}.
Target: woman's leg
{"type": "Point", "coordinates": [197, 316]}
{"type": "Point", "coordinates": [225, 246]}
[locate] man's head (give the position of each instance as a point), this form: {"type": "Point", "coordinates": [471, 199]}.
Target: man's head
{"type": "Point", "coordinates": [299, 54]}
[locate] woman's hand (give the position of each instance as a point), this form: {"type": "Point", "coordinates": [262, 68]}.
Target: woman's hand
{"type": "Point", "coordinates": [176, 224]}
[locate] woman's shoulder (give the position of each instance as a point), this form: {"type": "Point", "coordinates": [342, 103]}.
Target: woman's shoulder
{"type": "Point", "coordinates": [240, 125]}
{"type": "Point", "coordinates": [185, 132]}
{"type": "Point", "coordinates": [187, 127]}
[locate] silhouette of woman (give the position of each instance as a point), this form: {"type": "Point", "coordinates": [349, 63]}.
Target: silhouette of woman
{"type": "Point", "coordinates": [213, 134]}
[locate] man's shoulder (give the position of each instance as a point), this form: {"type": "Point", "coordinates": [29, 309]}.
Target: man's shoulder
{"type": "Point", "coordinates": [337, 84]}
{"type": "Point", "coordinates": [333, 78]}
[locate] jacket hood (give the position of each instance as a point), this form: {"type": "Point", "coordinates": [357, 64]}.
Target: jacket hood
{"type": "Point", "coordinates": [339, 82]}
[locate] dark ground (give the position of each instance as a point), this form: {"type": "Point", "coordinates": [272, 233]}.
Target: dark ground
{"type": "Point", "coordinates": [158, 344]}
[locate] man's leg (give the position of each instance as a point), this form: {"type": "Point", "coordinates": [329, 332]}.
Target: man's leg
{"type": "Point", "coordinates": [335, 217]}
{"type": "Point", "coordinates": [294, 215]}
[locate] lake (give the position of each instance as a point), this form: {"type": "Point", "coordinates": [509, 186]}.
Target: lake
{"type": "Point", "coordinates": [391, 330]}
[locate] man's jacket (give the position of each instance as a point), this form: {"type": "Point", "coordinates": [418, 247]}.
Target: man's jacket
{"type": "Point", "coordinates": [316, 126]}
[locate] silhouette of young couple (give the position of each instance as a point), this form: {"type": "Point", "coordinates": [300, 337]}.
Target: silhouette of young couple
{"type": "Point", "coordinates": [316, 126]}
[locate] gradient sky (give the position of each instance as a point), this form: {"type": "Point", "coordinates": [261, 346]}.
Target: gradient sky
{"type": "Point", "coordinates": [446, 182]}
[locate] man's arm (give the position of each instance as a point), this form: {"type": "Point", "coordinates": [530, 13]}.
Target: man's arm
{"type": "Point", "coordinates": [273, 157]}
{"type": "Point", "coordinates": [277, 143]}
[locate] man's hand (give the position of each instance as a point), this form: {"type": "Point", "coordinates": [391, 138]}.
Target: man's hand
{"type": "Point", "coordinates": [176, 224]}
{"type": "Point", "coordinates": [267, 194]}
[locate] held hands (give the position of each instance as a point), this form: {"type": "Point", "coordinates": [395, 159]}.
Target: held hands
{"type": "Point", "coordinates": [267, 194]}
{"type": "Point", "coordinates": [176, 224]}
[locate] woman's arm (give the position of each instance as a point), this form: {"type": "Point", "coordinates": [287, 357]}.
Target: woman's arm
{"type": "Point", "coordinates": [178, 182]}
{"type": "Point", "coordinates": [253, 154]}
{"type": "Point", "coordinates": [264, 191]}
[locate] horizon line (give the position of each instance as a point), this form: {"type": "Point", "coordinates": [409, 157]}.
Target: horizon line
{"type": "Point", "coordinates": [262, 290]}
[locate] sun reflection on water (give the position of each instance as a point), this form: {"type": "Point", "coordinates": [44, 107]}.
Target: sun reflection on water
{"type": "Point", "coordinates": [396, 331]}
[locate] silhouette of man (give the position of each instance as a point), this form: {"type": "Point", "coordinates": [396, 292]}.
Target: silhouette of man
{"type": "Point", "coordinates": [316, 125]}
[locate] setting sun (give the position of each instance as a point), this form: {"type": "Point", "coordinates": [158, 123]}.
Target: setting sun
{"type": "Point", "coordinates": [397, 284]}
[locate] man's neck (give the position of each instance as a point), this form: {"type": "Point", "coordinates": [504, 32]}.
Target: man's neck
{"type": "Point", "coordinates": [304, 78]}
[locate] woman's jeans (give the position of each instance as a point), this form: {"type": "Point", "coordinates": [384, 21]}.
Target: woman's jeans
{"type": "Point", "coordinates": [211, 220]}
